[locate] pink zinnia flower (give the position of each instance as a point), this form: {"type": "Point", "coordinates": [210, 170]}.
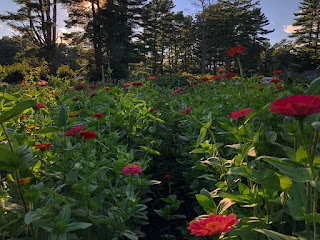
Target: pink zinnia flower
{"type": "Point", "coordinates": [94, 85]}
{"type": "Point", "coordinates": [42, 83]}
{"type": "Point", "coordinates": [296, 105]}
{"type": "Point", "coordinates": [240, 114]}
{"type": "Point", "coordinates": [79, 87]}
{"type": "Point", "coordinates": [40, 105]}
{"type": "Point", "coordinates": [131, 169]}
{"type": "Point", "coordinates": [74, 131]}
{"type": "Point", "coordinates": [212, 225]}
{"type": "Point", "coordinates": [179, 89]}
{"type": "Point", "coordinates": [187, 110]}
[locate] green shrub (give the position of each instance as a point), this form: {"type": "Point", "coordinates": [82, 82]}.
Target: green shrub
{"type": "Point", "coordinates": [65, 71]}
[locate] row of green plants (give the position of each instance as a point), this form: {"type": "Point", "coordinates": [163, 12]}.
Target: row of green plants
{"type": "Point", "coordinates": [222, 157]}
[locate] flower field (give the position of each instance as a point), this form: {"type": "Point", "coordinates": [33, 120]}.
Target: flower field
{"type": "Point", "coordinates": [190, 157]}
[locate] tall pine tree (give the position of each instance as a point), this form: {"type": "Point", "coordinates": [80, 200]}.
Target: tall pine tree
{"type": "Point", "coordinates": [307, 21]}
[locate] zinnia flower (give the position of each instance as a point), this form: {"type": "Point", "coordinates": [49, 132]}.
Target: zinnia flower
{"type": "Point", "coordinates": [237, 50]}
{"type": "Point", "coordinates": [88, 134]}
{"type": "Point", "coordinates": [107, 88]}
{"type": "Point", "coordinates": [74, 131]}
{"type": "Point", "coordinates": [277, 73]}
{"type": "Point", "coordinates": [179, 89]}
{"type": "Point", "coordinates": [212, 225]}
{"type": "Point", "coordinates": [42, 83]}
{"type": "Point", "coordinates": [131, 169]}
{"type": "Point", "coordinates": [187, 110]}
{"type": "Point", "coordinates": [98, 115]}
{"type": "Point", "coordinates": [152, 78]}
{"type": "Point", "coordinates": [191, 79]}
{"type": "Point", "coordinates": [79, 87]}
{"type": "Point", "coordinates": [93, 94]}
{"type": "Point", "coordinates": [229, 74]}
{"type": "Point", "coordinates": [137, 84]}
{"type": "Point", "coordinates": [75, 99]}
{"type": "Point", "coordinates": [127, 84]}
{"type": "Point", "coordinates": [94, 85]}
{"type": "Point", "coordinates": [204, 79]}
{"type": "Point", "coordinates": [296, 105]}
{"type": "Point", "coordinates": [40, 105]}
{"type": "Point", "coordinates": [275, 80]}
{"type": "Point", "coordinates": [221, 71]}
{"type": "Point", "coordinates": [278, 86]}
{"type": "Point", "coordinates": [80, 78]}
{"type": "Point", "coordinates": [152, 109]}
{"type": "Point", "coordinates": [43, 146]}
{"type": "Point", "coordinates": [240, 114]}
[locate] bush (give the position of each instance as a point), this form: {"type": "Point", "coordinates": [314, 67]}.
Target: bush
{"type": "Point", "coordinates": [65, 71]}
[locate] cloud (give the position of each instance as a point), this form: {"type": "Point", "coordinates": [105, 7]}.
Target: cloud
{"type": "Point", "coordinates": [290, 28]}
{"type": "Point", "coordinates": [63, 30]}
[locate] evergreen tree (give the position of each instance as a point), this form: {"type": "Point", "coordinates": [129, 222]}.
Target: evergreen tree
{"type": "Point", "coordinates": [307, 35]}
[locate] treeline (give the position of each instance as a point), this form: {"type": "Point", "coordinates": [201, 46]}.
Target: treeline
{"type": "Point", "coordinates": [125, 34]}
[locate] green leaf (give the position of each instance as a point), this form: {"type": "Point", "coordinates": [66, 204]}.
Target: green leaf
{"type": "Point", "coordinates": [314, 88]}
{"type": "Point", "coordinates": [275, 235]}
{"type": "Point", "coordinates": [285, 182]}
{"type": "Point", "coordinates": [46, 130]}
{"type": "Point", "coordinates": [149, 150]}
{"type": "Point", "coordinates": [77, 225]}
{"type": "Point", "coordinates": [289, 168]}
{"type": "Point", "coordinates": [207, 203]}
{"type": "Point", "coordinates": [16, 110]}
{"type": "Point", "coordinates": [202, 135]}
{"type": "Point", "coordinates": [296, 201]}
{"type": "Point", "coordinates": [8, 96]}
{"type": "Point", "coordinates": [9, 160]}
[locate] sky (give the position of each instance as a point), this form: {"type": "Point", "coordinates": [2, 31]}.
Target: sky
{"type": "Point", "coordinates": [280, 14]}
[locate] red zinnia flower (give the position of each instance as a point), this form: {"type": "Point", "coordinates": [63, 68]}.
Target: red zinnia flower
{"type": "Point", "coordinates": [40, 105]}
{"type": "Point", "coordinates": [277, 73]}
{"type": "Point", "coordinates": [191, 79]}
{"type": "Point", "coordinates": [152, 78]}
{"type": "Point", "coordinates": [278, 86]}
{"type": "Point", "coordinates": [179, 89]}
{"type": "Point", "coordinates": [75, 99]}
{"type": "Point", "coordinates": [187, 110]}
{"type": "Point", "coordinates": [229, 74]}
{"type": "Point", "coordinates": [212, 225]}
{"type": "Point", "coordinates": [217, 78]}
{"type": "Point", "coordinates": [275, 80]}
{"type": "Point", "coordinates": [221, 71]}
{"type": "Point", "coordinates": [23, 83]}
{"type": "Point", "coordinates": [204, 79]}
{"type": "Point", "coordinates": [93, 94]}
{"type": "Point", "coordinates": [237, 50]}
{"type": "Point", "coordinates": [43, 146]}
{"type": "Point", "coordinates": [131, 169]}
{"type": "Point", "coordinates": [152, 109]}
{"type": "Point", "coordinates": [94, 85]}
{"type": "Point", "coordinates": [296, 105]}
{"type": "Point", "coordinates": [42, 83]}
{"type": "Point", "coordinates": [74, 131]}
{"type": "Point", "coordinates": [98, 115]}
{"type": "Point", "coordinates": [79, 87]}
{"type": "Point", "coordinates": [137, 84]}
{"type": "Point", "coordinates": [240, 114]}
{"type": "Point", "coordinates": [88, 134]}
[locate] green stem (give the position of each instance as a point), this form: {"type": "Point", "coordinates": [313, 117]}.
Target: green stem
{"type": "Point", "coordinates": [309, 163]}
{"type": "Point", "coordinates": [17, 179]}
